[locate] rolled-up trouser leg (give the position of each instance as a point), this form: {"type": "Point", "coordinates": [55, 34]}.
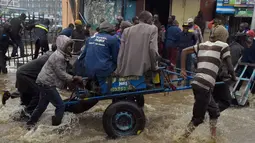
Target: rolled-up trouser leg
{"type": "Point", "coordinates": [213, 109]}
{"type": "Point", "coordinates": [202, 102]}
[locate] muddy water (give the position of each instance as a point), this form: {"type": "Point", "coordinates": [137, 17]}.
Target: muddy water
{"type": "Point", "coordinates": [166, 118]}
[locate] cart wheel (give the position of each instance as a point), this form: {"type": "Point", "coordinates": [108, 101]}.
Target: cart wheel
{"type": "Point", "coordinates": [138, 99]}
{"type": "Point", "coordinates": [123, 118]}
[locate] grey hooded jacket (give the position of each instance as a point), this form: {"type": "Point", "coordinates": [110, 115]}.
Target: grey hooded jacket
{"type": "Point", "coordinates": [54, 72]}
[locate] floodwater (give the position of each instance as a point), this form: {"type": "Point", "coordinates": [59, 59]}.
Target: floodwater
{"type": "Point", "coordinates": [166, 118]}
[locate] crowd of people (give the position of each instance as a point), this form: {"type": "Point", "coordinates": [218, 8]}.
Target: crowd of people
{"type": "Point", "coordinates": [133, 49]}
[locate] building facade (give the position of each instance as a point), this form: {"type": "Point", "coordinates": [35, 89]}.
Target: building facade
{"type": "Point", "coordinates": [94, 10]}
{"type": "Point", "coordinates": [10, 3]}
{"type": "Point", "coordinates": [47, 7]}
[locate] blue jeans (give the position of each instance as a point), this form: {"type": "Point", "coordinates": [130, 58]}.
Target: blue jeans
{"type": "Point", "coordinates": [48, 95]}
{"type": "Point", "coordinates": [18, 43]}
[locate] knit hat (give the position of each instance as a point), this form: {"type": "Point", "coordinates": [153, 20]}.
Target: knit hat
{"type": "Point", "coordinates": [219, 33]}
{"type": "Point", "coordinates": [106, 27]}
{"type": "Point", "coordinates": [78, 22]}
{"type": "Point", "coordinates": [125, 24]}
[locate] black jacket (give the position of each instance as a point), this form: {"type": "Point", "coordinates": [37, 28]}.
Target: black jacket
{"type": "Point", "coordinates": [79, 34]}
{"type": "Point", "coordinates": [17, 25]}
{"type": "Point", "coordinates": [40, 31]}
{"type": "Point", "coordinates": [28, 73]}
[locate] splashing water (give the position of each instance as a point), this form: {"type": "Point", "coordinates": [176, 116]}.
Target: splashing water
{"type": "Point", "coordinates": [166, 119]}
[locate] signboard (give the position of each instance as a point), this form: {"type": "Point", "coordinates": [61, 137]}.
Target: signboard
{"type": "Point", "coordinates": [250, 1]}
{"type": "Point", "coordinates": [238, 3]}
{"type": "Point", "coordinates": [244, 12]}
{"type": "Point", "coordinates": [221, 8]}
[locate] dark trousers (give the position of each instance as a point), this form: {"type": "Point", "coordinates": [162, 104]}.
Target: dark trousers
{"type": "Point", "coordinates": [18, 43]}
{"type": "Point", "coordinates": [203, 102]}
{"type": "Point", "coordinates": [40, 43]}
{"type": "Point", "coordinates": [48, 95]}
{"type": "Point", "coordinates": [222, 96]}
{"type": "Point", "coordinates": [3, 68]}
{"type": "Point", "coordinates": [25, 98]}
{"type": "Point", "coordinates": [34, 100]}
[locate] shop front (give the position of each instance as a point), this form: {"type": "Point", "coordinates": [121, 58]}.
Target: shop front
{"type": "Point", "coordinates": [235, 12]}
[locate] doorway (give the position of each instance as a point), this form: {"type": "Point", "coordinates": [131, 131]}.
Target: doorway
{"type": "Point", "coordinates": [161, 8]}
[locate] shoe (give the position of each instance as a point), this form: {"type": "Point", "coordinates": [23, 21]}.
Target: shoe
{"type": "Point", "coordinates": [4, 71]}
{"type": "Point", "coordinates": [29, 126]}
{"type": "Point", "coordinates": [190, 128]}
{"type": "Point", "coordinates": [5, 97]}
{"type": "Point", "coordinates": [56, 121]}
{"type": "Point", "coordinates": [15, 94]}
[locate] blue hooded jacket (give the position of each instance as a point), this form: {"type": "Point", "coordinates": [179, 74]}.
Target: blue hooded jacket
{"type": "Point", "coordinates": [101, 55]}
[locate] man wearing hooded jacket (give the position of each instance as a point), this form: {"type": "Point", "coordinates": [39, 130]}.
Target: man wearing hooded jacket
{"type": "Point", "coordinates": [53, 75]}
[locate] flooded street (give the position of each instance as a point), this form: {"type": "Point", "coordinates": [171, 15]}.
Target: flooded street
{"type": "Point", "coordinates": [167, 117]}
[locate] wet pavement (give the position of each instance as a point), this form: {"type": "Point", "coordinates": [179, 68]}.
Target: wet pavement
{"type": "Point", "coordinates": [166, 118]}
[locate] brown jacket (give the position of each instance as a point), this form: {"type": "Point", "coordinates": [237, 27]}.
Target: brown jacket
{"type": "Point", "coordinates": [138, 51]}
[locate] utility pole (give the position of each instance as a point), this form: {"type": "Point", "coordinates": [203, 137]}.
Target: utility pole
{"type": "Point", "coordinates": [77, 9]}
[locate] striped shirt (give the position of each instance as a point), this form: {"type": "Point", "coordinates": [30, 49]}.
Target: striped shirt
{"type": "Point", "coordinates": [209, 56]}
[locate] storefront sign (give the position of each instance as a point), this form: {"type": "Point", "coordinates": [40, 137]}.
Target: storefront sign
{"type": "Point", "coordinates": [244, 12]}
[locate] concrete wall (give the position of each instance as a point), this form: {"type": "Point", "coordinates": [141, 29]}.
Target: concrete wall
{"type": "Point", "coordinates": [184, 9]}
{"type": "Point", "coordinates": [67, 16]}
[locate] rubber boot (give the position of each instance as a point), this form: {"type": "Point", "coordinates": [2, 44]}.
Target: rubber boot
{"type": "Point", "coordinates": [213, 124]}
{"type": "Point", "coordinates": [5, 97]}
{"type": "Point", "coordinates": [56, 121]}
{"type": "Point", "coordinates": [190, 128]}
{"type": "Point", "coordinates": [15, 94]}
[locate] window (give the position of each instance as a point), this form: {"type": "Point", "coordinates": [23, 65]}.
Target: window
{"type": "Point", "coordinates": [3, 2]}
